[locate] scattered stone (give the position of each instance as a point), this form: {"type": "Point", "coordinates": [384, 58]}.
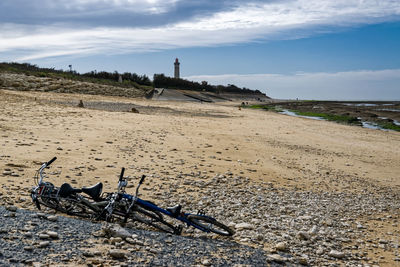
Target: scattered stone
{"type": "Point", "coordinates": [88, 254]}
{"type": "Point", "coordinates": [281, 246]}
{"type": "Point", "coordinates": [336, 254]}
{"type": "Point", "coordinates": [206, 262]}
{"type": "Point", "coordinates": [243, 226]}
{"type": "Point", "coordinates": [44, 236]}
{"type": "Point", "coordinates": [52, 218]}
{"type": "Point", "coordinates": [303, 235]}
{"type": "Point", "coordinates": [11, 208]}
{"type": "Point", "coordinates": [52, 234]}
{"type": "Point", "coordinates": [117, 253]}
{"type": "Point", "coordinates": [116, 231]}
{"type": "Point", "coordinates": [44, 244]}
{"type": "Point", "coordinates": [277, 258]}
{"type": "Point", "coordinates": [28, 248]}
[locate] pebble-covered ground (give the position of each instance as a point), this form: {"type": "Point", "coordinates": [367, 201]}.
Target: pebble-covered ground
{"type": "Point", "coordinates": [28, 237]}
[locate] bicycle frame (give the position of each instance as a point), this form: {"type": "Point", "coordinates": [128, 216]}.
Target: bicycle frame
{"type": "Point", "coordinates": [181, 217]}
{"type": "Point", "coordinates": [135, 200]}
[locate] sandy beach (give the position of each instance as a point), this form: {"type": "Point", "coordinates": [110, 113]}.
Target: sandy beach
{"type": "Point", "coordinates": [182, 146]}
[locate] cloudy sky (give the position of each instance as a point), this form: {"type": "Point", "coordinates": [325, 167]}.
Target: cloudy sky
{"type": "Point", "coordinates": [307, 49]}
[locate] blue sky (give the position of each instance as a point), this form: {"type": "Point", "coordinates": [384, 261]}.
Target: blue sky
{"type": "Point", "coordinates": [307, 49]}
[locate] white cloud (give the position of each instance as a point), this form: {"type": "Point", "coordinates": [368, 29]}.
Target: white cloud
{"type": "Point", "coordinates": [152, 6]}
{"type": "Point", "coordinates": [351, 85]}
{"type": "Point", "coordinates": [247, 22]}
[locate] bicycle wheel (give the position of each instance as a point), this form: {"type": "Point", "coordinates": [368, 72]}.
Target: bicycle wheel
{"type": "Point", "coordinates": [210, 224]}
{"type": "Point", "coordinates": [153, 219]}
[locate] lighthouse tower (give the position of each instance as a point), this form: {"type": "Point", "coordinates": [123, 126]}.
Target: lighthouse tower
{"type": "Point", "coordinates": [176, 64]}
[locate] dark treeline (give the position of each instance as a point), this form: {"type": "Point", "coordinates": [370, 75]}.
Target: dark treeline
{"type": "Point", "coordinates": [129, 79]}
{"type": "Point", "coordinates": [26, 67]}
{"type": "Point", "coordinates": [103, 75]}
{"type": "Point", "coordinates": [162, 81]}
{"type": "Point", "coordinates": [126, 76]}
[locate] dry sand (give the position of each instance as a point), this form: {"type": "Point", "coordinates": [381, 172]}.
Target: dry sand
{"type": "Point", "coordinates": [172, 138]}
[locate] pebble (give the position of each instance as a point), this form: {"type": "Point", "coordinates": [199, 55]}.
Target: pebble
{"type": "Point", "coordinates": [28, 248]}
{"type": "Point", "coordinates": [281, 246]}
{"type": "Point", "coordinates": [11, 208]}
{"type": "Point", "coordinates": [206, 262]}
{"type": "Point", "coordinates": [44, 236]}
{"type": "Point", "coordinates": [117, 253]}
{"type": "Point", "coordinates": [336, 254]}
{"type": "Point", "coordinates": [277, 258]}
{"type": "Point", "coordinates": [52, 234]}
{"type": "Point", "coordinates": [52, 218]}
{"type": "Point", "coordinates": [243, 226]}
{"type": "Point", "coordinates": [303, 235]}
{"type": "Point", "coordinates": [44, 244]}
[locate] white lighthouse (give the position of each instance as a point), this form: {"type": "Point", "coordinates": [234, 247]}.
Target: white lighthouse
{"type": "Point", "coordinates": [176, 64]}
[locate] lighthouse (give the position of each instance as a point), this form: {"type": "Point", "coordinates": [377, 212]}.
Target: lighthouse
{"type": "Point", "coordinates": [176, 64]}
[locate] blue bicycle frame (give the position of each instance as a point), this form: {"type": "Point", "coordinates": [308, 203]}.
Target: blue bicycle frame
{"type": "Point", "coordinates": [150, 206]}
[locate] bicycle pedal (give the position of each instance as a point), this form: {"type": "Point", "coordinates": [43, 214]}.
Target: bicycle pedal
{"type": "Point", "coordinates": [178, 230]}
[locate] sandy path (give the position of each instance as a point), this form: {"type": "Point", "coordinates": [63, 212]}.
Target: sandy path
{"type": "Point", "coordinates": [191, 138]}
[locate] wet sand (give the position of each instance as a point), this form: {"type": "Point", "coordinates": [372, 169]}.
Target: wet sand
{"type": "Point", "coordinates": [173, 139]}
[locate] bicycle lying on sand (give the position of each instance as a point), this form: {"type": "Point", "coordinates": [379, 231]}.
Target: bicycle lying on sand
{"type": "Point", "coordinates": [118, 207]}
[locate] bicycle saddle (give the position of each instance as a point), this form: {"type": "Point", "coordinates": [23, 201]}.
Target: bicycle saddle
{"type": "Point", "coordinates": [66, 190]}
{"type": "Point", "coordinates": [175, 210]}
{"type": "Point", "coordinates": [93, 191]}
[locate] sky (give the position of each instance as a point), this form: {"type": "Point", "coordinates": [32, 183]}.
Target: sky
{"type": "Point", "coordinates": [306, 49]}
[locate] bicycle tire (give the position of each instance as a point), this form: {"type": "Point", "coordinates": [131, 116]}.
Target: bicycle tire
{"type": "Point", "coordinates": [153, 219]}
{"type": "Point", "coordinates": [211, 225]}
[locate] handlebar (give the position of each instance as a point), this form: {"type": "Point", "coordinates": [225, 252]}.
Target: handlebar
{"type": "Point", "coordinates": [121, 176]}
{"type": "Point", "coordinates": [142, 179]}
{"type": "Point", "coordinates": [51, 161]}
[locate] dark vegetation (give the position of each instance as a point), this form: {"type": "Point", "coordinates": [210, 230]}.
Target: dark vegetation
{"type": "Point", "coordinates": [103, 77]}
{"type": "Point", "coordinates": [128, 79]}
{"type": "Point", "coordinates": [162, 81]}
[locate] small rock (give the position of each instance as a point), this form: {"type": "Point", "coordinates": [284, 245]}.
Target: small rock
{"type": "Point", "coordinates": [117, 231]}
{"type": "Point", "coordinates": [206, 262]}
{"type": "Point", "coordinates": [52, 234]}
{"type": "Point", "coordinates": [319, 251]}
{"type": "Point", "coordinates": [242, 226]}
{"type": "Point", "coordinates": [277, 258]}
{"type": "Point", "coordinates": [114, 240]}
{"type": "Point", "coordinates": [313, 231]}
{"type": "Point", "coordinates": [117, 253]}
{"type": "Point", "coordinates": [303, 235]}
{"type": "Point", "coordinates": [130, 240]}
{"type": "Point", "coordinates": [44, 236]}
{"type": "Point", "coordinates": [336, 254]}
{"type": "Point", "coordinates": [303, 261]}
{"type": "Point", "coordinates": [44, 244]}
{"type": "Point", "coordinates": [281, 246]}
{"type": "Point", "coordinates": [28, 248]}
{"type": "Point", "coordinates": [88, 254]}
{"type": "Point", "coordinates": [11, 208]}
{"type": "Point", "coordinates": [52, 218]}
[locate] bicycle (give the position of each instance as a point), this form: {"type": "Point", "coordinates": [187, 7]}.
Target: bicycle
{"type": "Point", "coordinates": [118, 206]}
{"type": "Point", "coordinates": [110, 207]}
{"type": "Point", "coordinates": [67, 199]}
{"type": "Point", "coordinates": [200, 220]}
